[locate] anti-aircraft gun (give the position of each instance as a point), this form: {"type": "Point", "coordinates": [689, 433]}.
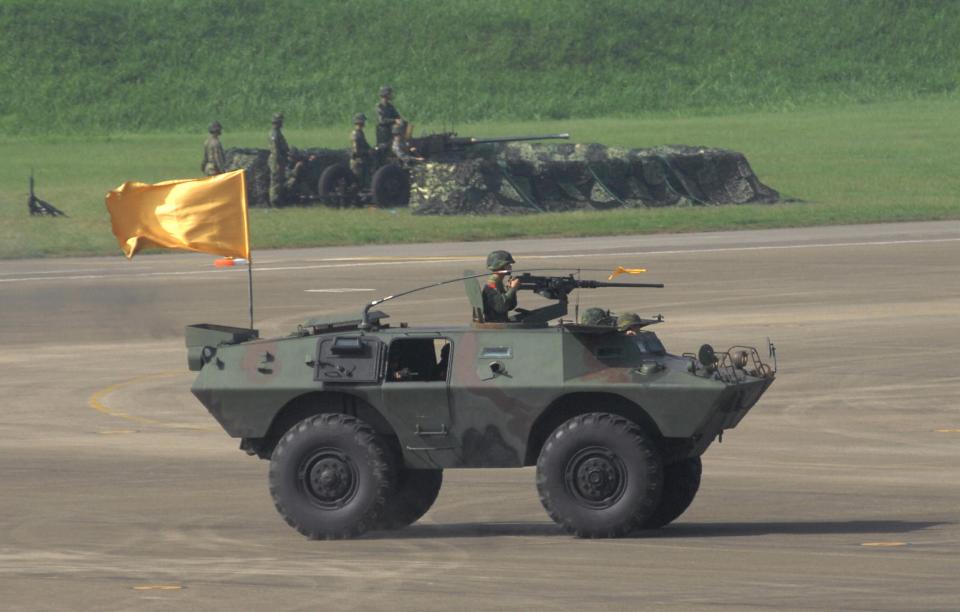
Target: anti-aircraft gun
{"type": "Point", "coordinates": [390, 185]}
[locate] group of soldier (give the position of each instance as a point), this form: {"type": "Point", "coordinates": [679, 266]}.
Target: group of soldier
{"type": "Point", "coordinates": [285, 163]}
{"type": "Point", "coordinates": [500, 297]}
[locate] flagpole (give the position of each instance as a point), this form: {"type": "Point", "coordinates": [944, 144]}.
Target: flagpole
{"type": "Point", "coordinates": [250, 287]}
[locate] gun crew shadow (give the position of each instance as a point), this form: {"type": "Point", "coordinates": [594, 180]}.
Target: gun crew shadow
{"type": "Point", "coordinates": [677, 530]}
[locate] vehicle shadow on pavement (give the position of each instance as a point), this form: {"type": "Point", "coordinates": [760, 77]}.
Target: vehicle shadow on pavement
{"type": "Point", "coordinates": [721, 530]}
{"type": "Point", "coordinates": [679, 530]}
{"type": "Point", "coordinates": [470, 530]}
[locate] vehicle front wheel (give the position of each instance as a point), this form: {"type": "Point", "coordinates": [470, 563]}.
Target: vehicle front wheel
{"type": "Point", "coordinates": [599, 476]}
{"type": "Point", "coordinates": [415, 493]}
{"type": "Point", "coordinates": [681, 481]}
{"type": "Point", "coordinates": [330, 476]}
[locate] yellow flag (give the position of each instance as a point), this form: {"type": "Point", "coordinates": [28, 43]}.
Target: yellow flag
{"type": "Point", "coordinates": [621, 270]}
{"type": "Point", "coordinates": [208, 215]}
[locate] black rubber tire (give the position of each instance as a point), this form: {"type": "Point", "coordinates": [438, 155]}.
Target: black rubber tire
{"type": "Point", "coordinates": [415, 493]}
{"type": "Point", "coordinates": [330, 476]}
{"type": "Point", "coordinates": [681, 481]}
{"type": "Point", "coordinates": [391, 186]}
{"type": "Point", "coordinates": [613, 450]}
{"type": "Point", "coordinates": [337, 185]}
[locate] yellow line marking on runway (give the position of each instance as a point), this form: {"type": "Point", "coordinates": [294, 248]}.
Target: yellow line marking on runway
{"type": "Point", "coordinates": [883, 544]}
{"type": "Point", "coordinates": [948, 430]}
{"type": "Point", "coordinates": [110, 432]}
{"type": "Point", "coordinates": [96, 402]}
{"type": "Point", "coordinates": [158, 587]}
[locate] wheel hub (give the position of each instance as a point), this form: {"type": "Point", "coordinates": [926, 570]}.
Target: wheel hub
{"type": "Point", "coordinates": [329, 478]}
{"type": "Point", "coordinates": [596, 477]}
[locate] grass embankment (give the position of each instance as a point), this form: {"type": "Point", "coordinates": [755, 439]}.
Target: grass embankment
{"type": "Point", "coordinates": [860, 164]}
{"type": "Point", "coordinates": [96, 66]}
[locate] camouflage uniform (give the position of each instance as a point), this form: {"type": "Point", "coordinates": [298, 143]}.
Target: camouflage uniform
{"type": "Point", "coordinates": [387, 114]}
{"type": "Point", "coordinates": [214, 161]}
{"type": "Point", "coordinates": [498, 300]}
{"type": "Point", "coordinates": [360, 153]}
{"type": "Point", "coordinates": [277, 162]}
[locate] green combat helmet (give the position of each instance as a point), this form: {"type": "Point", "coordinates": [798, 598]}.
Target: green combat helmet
{"type": "Point", "coordinates": [498, 260]}
{"type": "Point", "coordinates": [359, 118]}
{"type": "Point", "coordinates": [596, 316]}
{"type": "Point", "coordinates": [215, 127]}
{"type": "Point", "coordinates": [386, 91]}
{"type": "Point", "coordinates": [628, 320]}
{"type": "Point", "coordinates": [400, 127]}
{"type": "Point", "coordinates": [277, 118]}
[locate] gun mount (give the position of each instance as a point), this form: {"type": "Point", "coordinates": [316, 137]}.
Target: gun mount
{"type": "Point", "coordinates": [558, 288]}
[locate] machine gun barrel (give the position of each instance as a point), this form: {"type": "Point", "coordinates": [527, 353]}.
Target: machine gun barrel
{"type": "Point", "coordinates": [471, 140]}
{"type": "Point", "coordinates": [558, 287]}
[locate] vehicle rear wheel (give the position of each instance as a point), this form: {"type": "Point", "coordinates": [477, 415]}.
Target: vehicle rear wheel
{"type": "Point", "coordinates": [599, 476]}
{"type": "Point", "coordinates": [681, 481]}
{"type": "Point", "coordinates": [391, 186]}
{"type": "Point", "coordinates": [338, 185]}
{"type": "Point", "coordinates": [330, 476]}
{"type": "Point", "coordinates": [415, 493]}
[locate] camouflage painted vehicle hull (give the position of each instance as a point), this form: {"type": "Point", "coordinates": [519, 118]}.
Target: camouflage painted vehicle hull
{"type": "Point", "coordinates": [489, 395]}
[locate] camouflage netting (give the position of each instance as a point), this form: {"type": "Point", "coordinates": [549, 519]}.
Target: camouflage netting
{"type": "Point", "coordinates": [534, 177]}
{"type": "Point", "coordinates": [523, 178]}
{"type": "Point", "coordinates": [254, 162]}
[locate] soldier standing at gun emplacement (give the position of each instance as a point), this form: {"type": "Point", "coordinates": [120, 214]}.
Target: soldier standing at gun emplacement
{"type": "Point", "coordinates": [277, 161]}
{"type": "Point", "coordinates": [387, 115]}
{"type": "Point", "coordinates": [214, 161]}
{"type": "Point", "coordinates": [361, 151]}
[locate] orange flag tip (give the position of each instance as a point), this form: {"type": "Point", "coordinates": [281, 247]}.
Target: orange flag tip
{"type": "Point", "coordinates": [621, 270]}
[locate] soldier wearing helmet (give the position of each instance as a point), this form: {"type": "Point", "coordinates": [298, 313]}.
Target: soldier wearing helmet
{"type": "Point", "coordinates": [497, 299]}
{"type": "Point", "coordinates": [387, 116]}
{"type": "Point", "coordinates": [596, 316]}
{"type": "Point", "coordinates": [277, 161]}
{"type": "Point", "coordinates": [214, 161]}
{"type": "Point", "coordinates": [629, 323]}
{"type": "Point", "coordinates": [400, 147]}
{"type": "Point", "coordinates": [361, 151]}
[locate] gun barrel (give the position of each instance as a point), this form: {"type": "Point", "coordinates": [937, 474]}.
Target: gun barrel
{"type": "Point", "coordinates": [588, 284]}
{"type": "Point", "coordinates": [564, 136]}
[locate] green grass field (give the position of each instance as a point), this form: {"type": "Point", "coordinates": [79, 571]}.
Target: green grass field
{"type": "Point", "coordinates": [852, 107]}
{"type": "Point", "coordinates": [858, 164]}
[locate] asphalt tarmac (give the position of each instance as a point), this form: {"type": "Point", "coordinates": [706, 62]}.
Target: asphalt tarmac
{"type": "Point", "coordinates": [840, 490]}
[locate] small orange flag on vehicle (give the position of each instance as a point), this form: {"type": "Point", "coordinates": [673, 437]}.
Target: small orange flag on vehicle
{"type": "Point", "coordinates": [208, 215]}
{"type": "Point", "coordinates": [621, 270]}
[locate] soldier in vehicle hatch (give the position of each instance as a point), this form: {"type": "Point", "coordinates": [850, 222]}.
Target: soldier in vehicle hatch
{"type": "Point", "coordinates": [214, 161]}
{"type": "Point", "coordinates": [629, 323]}
{"type": "Point", "coordinates": [277, 161]}
{"type": "Point", "coordinates": [596, 316]}
{"type": "Point", "coordinates": [498, 301]}
{"type": "Point", "coordinates": [387, 115]}
{"type": "Point", "coordinates": [361, 151]}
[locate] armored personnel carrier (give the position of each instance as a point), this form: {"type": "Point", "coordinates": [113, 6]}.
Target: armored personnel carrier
{"type": "Point", "coordinates": [359, 417]}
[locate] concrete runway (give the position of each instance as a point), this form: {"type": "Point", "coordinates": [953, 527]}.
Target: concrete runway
{"type": "Point", "coordinates": [840, 490]}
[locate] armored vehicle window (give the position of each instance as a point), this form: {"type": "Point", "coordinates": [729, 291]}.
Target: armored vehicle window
{"type": "Point", "coordinates": [348, 359]}
{"type": "Point", "coordinates": [418, 359]}
{"type": "Point", "coordinates": [649, 343]}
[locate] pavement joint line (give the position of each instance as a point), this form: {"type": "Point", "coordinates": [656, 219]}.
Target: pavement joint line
{"type": "Point", "coordinates": [96, 402]}
{"type": "Point", "coordinates": [412, 259]}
